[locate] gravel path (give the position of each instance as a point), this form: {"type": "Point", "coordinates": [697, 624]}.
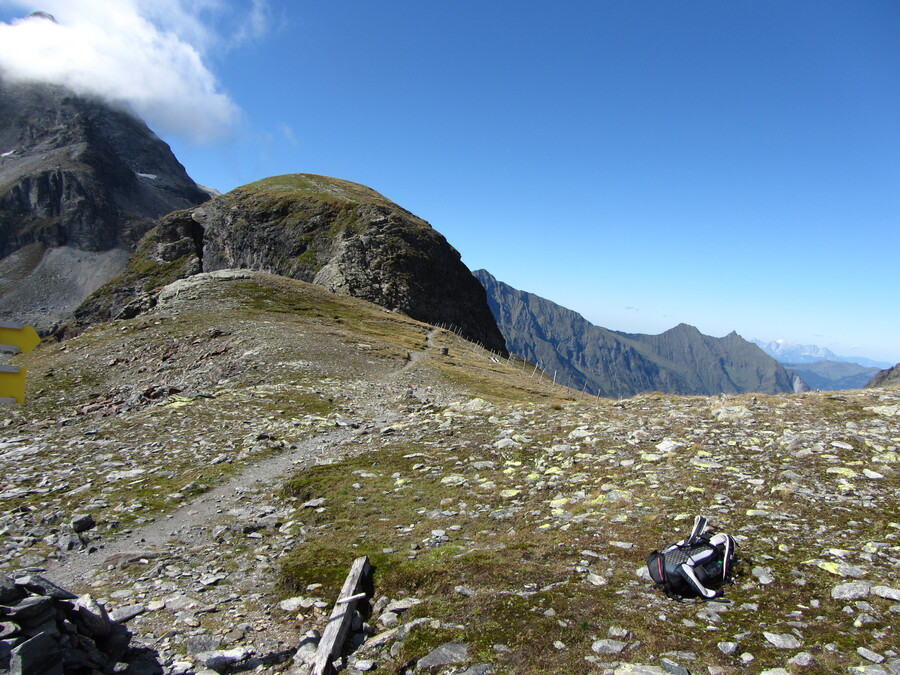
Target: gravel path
{"type": "Point", "coordinates": [73, 568]}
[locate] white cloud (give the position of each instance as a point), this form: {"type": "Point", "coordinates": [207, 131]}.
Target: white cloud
{"type": "Point", "coordinates": [148, 53]}
{"type": "Point", "coordinates": [288, 132]}
{"type": "Point", "coordinates": [256, 24]}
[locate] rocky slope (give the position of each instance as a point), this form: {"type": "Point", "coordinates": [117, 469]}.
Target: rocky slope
{"type": "Point", "coordinates": [323, 230]}
{"type": "Point", "coordinates": [886, 378]}
{"type": "Point", "coordinates": [508, 519]}
{"type": "Point", "coordinates": [611, 363]}
{"type": "Point", "coordinates": [80, 183]}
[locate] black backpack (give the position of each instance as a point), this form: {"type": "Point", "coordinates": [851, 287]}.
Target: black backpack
{"type": "Point", "coordinates": [713, 573]}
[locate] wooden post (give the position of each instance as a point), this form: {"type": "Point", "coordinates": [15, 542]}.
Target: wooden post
{"type": "Point", "coordinates": [341, 616]}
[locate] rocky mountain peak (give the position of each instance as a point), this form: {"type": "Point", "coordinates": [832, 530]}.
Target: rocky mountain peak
{"type": "Point", "coordinates": [327, 231]}
{"type": "Point", "coordinates": [680, 360]}
{"type": "Point", "coordinates": [74, 170]}
{"type": "Point", "coordinates": [80, 182]}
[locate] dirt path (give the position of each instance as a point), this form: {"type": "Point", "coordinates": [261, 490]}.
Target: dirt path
{"type": "Point", "coordinates": [416, 358]}
{"type": "Point", "coordinates": [73, 569]}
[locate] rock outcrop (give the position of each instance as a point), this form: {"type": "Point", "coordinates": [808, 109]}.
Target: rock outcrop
{"type": "Point", "coordinates": [327, 231]}
{"type": "Point", "coordinates": [611, 363]}
{"type": "Point", "coordinates": [80, 183]}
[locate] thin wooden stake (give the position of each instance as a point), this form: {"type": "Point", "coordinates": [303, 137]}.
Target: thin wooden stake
{"type": "Point", "coordinates": [341, 617]}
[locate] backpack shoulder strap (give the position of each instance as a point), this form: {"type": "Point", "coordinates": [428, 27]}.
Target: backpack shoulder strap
{"type": "Point", "coordinates": [700, 523]}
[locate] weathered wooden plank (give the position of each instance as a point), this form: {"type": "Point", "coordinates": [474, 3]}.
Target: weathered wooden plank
{"type": "Point", "coordinates": [339, 624]}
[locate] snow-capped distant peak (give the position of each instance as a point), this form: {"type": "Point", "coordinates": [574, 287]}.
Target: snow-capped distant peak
{"type": "Point", "coordinates": [786, 352]}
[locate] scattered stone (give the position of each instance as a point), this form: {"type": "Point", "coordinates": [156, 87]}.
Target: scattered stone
{"type": "Point", "coordinates": [887, 592]}
{"type": "Point", "coordinates": [306, 650]}
{"type": "Point", "coordinates": [782, 640]}
{"type": "Point", "coordinates": [727, 648]}
{"type": "Point", "coordinates": [734, 413]}
{"type": "Point", "coordinates": [673, 668]}
{"type": "Point", "coordinates": [296, 603]}
{"type": "Point", "coordinates": [83, 522]}
{"type": "Point", "coordinates": [853, 590]}
{"type": "Point", "coordinates": [127, 613]}
{"type": "Point", "coordinates": [479, 669]}
{"type": "Point", "coordinates": [221, 659]}
{"type": "Point", "coordinates": [763, 575]}
{"type": "Point", "coordinates": [199, 644]}
{"type": "Point", "coordinates": [669, 445]}
{"type": "Point", "coordinates": [446, 654]}
{"type": "Point", "coordinates": [638, 669]}
{"type": "Point", "coordinates": [869, 655]}
{"type": "Point", "coordinates": [398, 606]}
{"type": "Point", "coordinates": [606, 646]}
{"type": "Point", "coordinates": [389, 619]}
{"type": "Point", "coordinates": [803, 659]}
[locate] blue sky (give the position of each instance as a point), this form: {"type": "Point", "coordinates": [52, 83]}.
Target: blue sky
{"type": "Point", "coordinates": [731, 165]}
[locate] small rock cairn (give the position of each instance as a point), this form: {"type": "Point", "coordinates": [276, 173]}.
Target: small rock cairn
{"type": "Point", "coordinates": [48, 630]}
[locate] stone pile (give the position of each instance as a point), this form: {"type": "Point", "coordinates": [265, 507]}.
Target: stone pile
{"type": "Point", "coordinates": [46, 629]}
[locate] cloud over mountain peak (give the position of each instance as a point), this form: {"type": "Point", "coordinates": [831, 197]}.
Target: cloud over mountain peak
{"type": "Point", "coordinates": [150, 55]}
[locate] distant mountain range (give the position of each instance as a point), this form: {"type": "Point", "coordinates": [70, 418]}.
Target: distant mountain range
{"type": "Point", "coordinates": [615, 364]}
{"type": "Point", "coordinates": [821, 368]}
{"type": "Point", "coordinates": [834, 375]}
{"type": "Point", "coordinates": [785, 352]}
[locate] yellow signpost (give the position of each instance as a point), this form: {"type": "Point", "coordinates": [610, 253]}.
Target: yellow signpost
{"type": "Point", "coordinates": [14, 339]}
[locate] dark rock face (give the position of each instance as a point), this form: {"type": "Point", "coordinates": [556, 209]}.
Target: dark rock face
{"type": "Point", "coordinates": [886, 378]}
{"type": "Point", "coordinates": [322, 230]}
{"type": "Point", "coordinates": [610, 363]}
{"type": "Point", "coordinates": [76, 172]}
